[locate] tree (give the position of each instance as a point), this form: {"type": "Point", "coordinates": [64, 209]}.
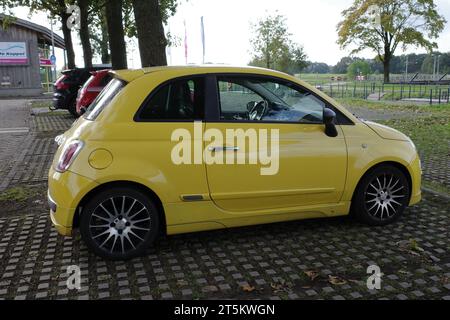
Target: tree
{"type": "Point", "coordinates": [317, 67]}
{"type": "Point", "coordinates": [343, 64]}
{"type": "Point", "coordinates": [429, 63]}
{"type": "Point", "coordinates": [98, 31]}
{"type": "Point", "coordinates": [273, 48]}
{"type": "Point", "coordinates": [401, 22]}
{"type": "Point", "coordinates": [84, 32]}
{"type": "Point", "coordinates": [150, 32]}
{"type": "Point", "coordinates": [116, 34]}
{"type": "Point", "coordinates": [357, 68]}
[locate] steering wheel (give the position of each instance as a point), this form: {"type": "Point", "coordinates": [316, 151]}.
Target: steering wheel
{"type": "Point", "coordinates": [258, 111]}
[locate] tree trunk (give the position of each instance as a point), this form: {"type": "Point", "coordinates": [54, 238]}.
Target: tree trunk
{"type": "Point", "coordinates": [84, 33]}
{"type": "Point", "coordinates": [386, 65]}
{"type": "Point", "coordinates": [150, 32]}
{"type": "Point", "coordinates": [104, 40]}
{"type": "Point", "coordinates": [116, 34]}
{"type": "Point", "coordinates": [67, 35]}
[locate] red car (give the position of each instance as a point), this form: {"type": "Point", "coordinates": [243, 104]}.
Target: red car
{"type": "Point", "coordinates": [90, 90]}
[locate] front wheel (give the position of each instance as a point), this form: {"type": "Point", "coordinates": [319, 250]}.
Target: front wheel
{"type": "Point", "coordinates": [381, 196]}
{"type": "Point", "coordinates": [119, 223]}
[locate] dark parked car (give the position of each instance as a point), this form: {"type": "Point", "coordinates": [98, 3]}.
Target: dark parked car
{"type": "Point", "coordinates": [67, 86]}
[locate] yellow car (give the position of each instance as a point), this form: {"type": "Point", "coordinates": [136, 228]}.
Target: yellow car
{"type": "Point", "coordinates": [170, 150]}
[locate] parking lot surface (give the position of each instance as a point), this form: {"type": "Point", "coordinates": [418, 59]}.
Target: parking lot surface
{"type": "Point", "coordinates": [318, 259]}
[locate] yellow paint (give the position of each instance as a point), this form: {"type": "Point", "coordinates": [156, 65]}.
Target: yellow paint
{"type": "Point", "coordinates": [317, 174]}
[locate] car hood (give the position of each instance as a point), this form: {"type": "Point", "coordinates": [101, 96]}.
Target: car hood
{"type": "Point", "coordinates": [386, 132]}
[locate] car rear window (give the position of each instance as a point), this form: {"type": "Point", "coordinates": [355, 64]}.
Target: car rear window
{"type": "Point", "coordinates": [104, 98]}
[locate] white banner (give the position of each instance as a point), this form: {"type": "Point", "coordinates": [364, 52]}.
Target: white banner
{"type": "Point", "coordinates": [13, 53]}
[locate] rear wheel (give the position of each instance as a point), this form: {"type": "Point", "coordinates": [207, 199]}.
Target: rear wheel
{"type": "Point", "coordinates": [119, 223]}
{"type": "Point", "coordinates": [381, 196]}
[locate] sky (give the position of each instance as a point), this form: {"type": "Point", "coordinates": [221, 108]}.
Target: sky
{"type": "Point", "coordinates": [228, 30]}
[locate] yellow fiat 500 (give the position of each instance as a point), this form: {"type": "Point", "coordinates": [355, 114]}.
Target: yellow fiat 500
{"type": "Point", "coordinates": [183, 149]}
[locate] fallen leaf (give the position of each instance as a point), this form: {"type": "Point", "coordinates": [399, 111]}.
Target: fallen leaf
{"type": "Point", "coordinates": [276, 286]}
{"type": "Point", "coordinates": [248, 288]}
{"type": "Point", "coordinates": [335, 280]}
{"type": "Point", "coordinates": [312, 274]}
{"type": "Point", "coordinates": [182, 282]}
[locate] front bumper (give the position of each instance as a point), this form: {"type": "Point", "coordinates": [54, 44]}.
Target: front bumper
{"type": "Point", "coordinates": [416, 181]}
{"type": "Point", "coordinates": [65, 192]}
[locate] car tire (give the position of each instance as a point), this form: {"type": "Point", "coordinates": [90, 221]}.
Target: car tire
{"type": "Point", "coordinates": [73, 109]}
{"type": "Point", "coordinates": [119, 223]}
{"type": "Point", "coordinates": [381, 196]}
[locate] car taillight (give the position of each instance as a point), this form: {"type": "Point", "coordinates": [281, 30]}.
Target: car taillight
{"type": "Point", "coordinates": [60, 84]}
{"type": "Point", "coordinates": [69, 154]}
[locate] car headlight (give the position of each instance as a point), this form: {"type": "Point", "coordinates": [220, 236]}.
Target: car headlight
{"type": "Point", "coordinates": [412, 144]}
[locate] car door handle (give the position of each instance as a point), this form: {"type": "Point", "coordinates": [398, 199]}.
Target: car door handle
{"type": "Point", "coordinates": [213, 149]}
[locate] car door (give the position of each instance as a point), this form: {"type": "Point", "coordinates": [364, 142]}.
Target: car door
{"type": "Point", "coordinates": [165, 122]}
{"type": "Point", "coordinates": [307, 168]}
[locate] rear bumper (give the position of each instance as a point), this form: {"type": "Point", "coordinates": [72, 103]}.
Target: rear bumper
{"type": "Point", "coordinates": [65, 192]}
{"type": "Point", "coordinates": [63, 100]}
{"type": "Point", "coordinates": [59, 101]}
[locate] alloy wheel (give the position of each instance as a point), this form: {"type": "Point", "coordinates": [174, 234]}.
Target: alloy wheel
{"type": "Point", "coordinates": [385, 196]}
{"type": "Point", "coordinates": [120, 224]}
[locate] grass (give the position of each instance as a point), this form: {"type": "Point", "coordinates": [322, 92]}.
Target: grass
{"type": "Point", "coordinates": [41, 104]}
{"type": "Point", "coordinates": [435, 109]}
{"type": "Point", "coordinates": [430, 134]}
{"type": "Point", "coordinates": [428, 126]}
{"type": "Point", "coordinates": [18, 194]}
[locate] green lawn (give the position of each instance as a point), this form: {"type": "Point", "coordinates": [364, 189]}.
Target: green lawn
{"type": "Point", "coordinates": [428, 126]}
{"type": "Point", "coordinates": [41, 104]}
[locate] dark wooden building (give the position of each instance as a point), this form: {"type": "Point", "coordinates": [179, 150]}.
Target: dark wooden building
{"type": "Point", "coordinates": [25, 49]}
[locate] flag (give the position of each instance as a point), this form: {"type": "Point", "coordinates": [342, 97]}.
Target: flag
{"type": "Point", "coordinates": [185, 43]}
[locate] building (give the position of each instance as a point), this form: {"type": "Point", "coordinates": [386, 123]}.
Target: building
{"type": "Point", "coordinates": [25, 52]}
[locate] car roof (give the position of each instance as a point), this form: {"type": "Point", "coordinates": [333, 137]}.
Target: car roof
{"type": "Point", "coordinates": [129, 75]}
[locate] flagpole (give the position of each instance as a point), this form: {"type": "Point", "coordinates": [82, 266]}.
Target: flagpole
{"type": "Point", "coordinates": [203, 38]}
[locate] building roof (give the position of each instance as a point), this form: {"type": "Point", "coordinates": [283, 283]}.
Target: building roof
{"type": "Point", "coordinates": [43, 31]}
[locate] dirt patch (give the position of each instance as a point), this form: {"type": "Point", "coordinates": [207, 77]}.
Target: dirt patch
{"type": "Point", "coordinates": [21, 200]}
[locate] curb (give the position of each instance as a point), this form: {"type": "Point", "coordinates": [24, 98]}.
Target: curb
{"type": "Point", "coordinates": [436, 193]}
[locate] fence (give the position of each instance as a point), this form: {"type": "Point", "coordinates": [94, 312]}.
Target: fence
{"type": "Point", "coordinates": [432, 94]}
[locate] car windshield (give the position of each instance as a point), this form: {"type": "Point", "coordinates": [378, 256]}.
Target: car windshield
{"type": "Point", "coordinates": [104, 98]}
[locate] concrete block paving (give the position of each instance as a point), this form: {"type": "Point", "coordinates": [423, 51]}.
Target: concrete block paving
{"type": "Point", "coordinates": [272, 261]}
{"type": "Point", "coordinates": [318, 259]}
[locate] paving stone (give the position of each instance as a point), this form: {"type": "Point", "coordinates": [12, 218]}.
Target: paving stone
{"type": "Point", "coordinates": [216, 264]}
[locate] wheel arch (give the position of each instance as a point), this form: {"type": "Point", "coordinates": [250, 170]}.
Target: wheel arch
{"type": "Point", "coordinates": [395, 164]}
{"type": "Point", "coordinates": [129, 184]}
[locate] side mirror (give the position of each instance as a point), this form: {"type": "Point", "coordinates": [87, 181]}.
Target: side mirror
{"type": "Point", "coordinates": [328, 119]}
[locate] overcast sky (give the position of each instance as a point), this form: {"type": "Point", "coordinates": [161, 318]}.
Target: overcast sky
{"type": "Point", "coordinates": [227, 29]}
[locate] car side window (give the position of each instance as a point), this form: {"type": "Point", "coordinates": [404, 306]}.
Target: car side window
{"type": "Point", "coordinates": [181, 99]}
{"type": "Point", "coordinates": [234, 99]}
{"type": "Point", "coordinates": [270, 100]}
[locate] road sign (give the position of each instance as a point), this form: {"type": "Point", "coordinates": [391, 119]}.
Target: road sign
{"type": "Point", "coordinates": [53, 59]}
